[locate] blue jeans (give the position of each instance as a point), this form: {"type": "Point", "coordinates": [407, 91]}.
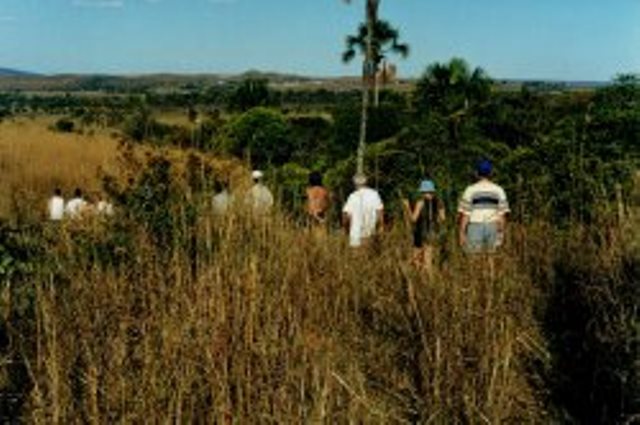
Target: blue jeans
{"type": "Point", "coordinates": [482, 238]}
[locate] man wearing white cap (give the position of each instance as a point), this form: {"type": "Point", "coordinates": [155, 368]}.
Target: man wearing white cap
{"type": "Point", "coordinates": [259, 197]}
{"type": "Point", "coordinates": [363, 212]}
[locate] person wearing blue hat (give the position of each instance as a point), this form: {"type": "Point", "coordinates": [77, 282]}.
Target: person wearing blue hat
{"type": "Point", "coordinates": [483, 210]}
{"type": "Point", "coordinates": [427, 217]}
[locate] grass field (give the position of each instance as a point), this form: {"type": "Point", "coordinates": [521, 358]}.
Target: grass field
{"type": "Point", "coordinates": [34, 160]}
{"type": "Point", "coordinates": [170, 314]}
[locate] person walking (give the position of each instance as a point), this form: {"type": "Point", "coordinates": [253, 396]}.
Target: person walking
{"type": "Point", "coordinates": [259, 198]}
{"type": "Point", "coordinates": [483, 211]}
{"type": "Point", "coordinates": [363, 213]}
{"type": "Point", "coordinates": [427, 217]}
{"type": "Point", "coordinates": [318, 200]}
{"type": "Point", "coordinates": [221, 201]}
{"type": "Point", "coordinates": [76, 205]}
{"type": "Point", "coordinates": [55, 206]}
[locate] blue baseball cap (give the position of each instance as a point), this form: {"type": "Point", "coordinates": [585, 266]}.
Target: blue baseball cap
{"type": "Point", "coordinates": [427, 186]}
{"type": "Point", "coordinates": [484, 168]}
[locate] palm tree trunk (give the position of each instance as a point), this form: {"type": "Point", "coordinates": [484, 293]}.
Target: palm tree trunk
{"type": "Point", "coordinates": [368, 73]}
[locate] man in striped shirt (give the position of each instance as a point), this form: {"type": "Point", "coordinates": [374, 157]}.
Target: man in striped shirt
{"type": "Point", "coordinates": [483, 210]}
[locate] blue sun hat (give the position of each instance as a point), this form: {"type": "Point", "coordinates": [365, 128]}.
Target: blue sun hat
{"type": "Point", "coordinates": [427, 186]}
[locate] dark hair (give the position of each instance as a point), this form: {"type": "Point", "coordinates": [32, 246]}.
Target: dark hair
{"type": "Point", "coordinates": [77, 193]}
{"type": "Point", "coordinates": [220, 185]}
{"type": "Point", "coordinates": [315, 179]}
{"type": "Point", "coordinates": [57, 191]}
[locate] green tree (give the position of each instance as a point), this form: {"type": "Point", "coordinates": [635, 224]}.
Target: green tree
{"type": "Point", "coordinates": [385, 41]}
{"type": "Point", "coordinates": [261, 134]}
{"type": "Point", "coordinates": [252, 92]}
{"type": "Point", "coordinates": [371, 13]}
{"type": "Point", "coordinates": [451, 88]}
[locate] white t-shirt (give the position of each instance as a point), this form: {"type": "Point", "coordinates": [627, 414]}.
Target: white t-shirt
{"type": "Point", "coordinates": [221, 202]}
{"type": "Point", "coordinates": [484, 202]}
{"type": "Point", "coordinates": [105, 208]}
{"type": "Point", "coordinates": [75, 207]}
{"type": "Point", "coordinates": [259, 198]}
{"type": "Point", "coordinates": [363, 207]}
{"type": "Point", "coordinates": [56, 207]}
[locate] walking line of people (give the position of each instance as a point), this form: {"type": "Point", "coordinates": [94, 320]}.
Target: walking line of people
{"type": "Point", "coordinates": [77, 206]}
{"type": "Point", "coordinates": [482, 211]}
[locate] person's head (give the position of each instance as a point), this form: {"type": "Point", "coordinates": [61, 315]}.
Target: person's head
{"type": "Point", "coordinates": [315, 179]}
{"type": "Point", "coordinates": [427, 189]}
{"type": "Point", "coordinates": [220, 185]}
{"type": "Point", "coordinates": [77, 193]}
{"type": "Point", "coordinates": [57, 191]}
{"type": "Point", "coordinates": [484, 169]}
{"type": "Point", "coordinates": [257, 176]}
{"type": "Point", "coordinates": [360, 180]}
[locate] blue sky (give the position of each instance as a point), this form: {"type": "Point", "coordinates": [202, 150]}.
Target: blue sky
{"type": "Point", "coordinates": [546, 39]}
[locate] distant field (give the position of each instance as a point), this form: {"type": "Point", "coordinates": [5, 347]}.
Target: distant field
{"type": "Point", "coordinates": [34, 160]}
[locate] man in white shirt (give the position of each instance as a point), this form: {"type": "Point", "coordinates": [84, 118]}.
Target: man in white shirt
{"type": "Point", "coordinates": [259, 198]}
{"type": "Point", "coordinates": [363, 212]}
{"type": "Point", "coordinates": [76, 205]}
{"type": "Point", "coordinates": [221, 201]}
{"type": "Point", "coordinates": [483, 210]}
{"type": "Point", "coordinates": [104, 208]}
{"type": "Point", "coordinates": [55, 206]}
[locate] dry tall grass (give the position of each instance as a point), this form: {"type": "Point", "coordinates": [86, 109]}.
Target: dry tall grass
{"type": "Point", "coordinates": [34, 160]}
{"type": "Point", "coordinates": [274, 325]}
{"type": "Point", "coordinates": [256, 320]}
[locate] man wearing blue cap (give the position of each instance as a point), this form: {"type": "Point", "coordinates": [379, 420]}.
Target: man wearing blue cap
{"type": "Point", "coordinates": [483, 210]}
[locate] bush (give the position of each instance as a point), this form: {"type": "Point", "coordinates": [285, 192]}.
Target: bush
{"type": "Point", "coordinates": [64, 125]}
{"type": "Point", "coordinates": [261, 134]}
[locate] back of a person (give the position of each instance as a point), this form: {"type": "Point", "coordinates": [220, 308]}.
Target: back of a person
{"type": "Point", "coordinates": [104, 208]}
{"type": "Point", "coordinates": [221, 202]}
{"type": "Point", "coordinates": [363, 207]}
{"type": "Point", "coordinates": [260, 198]}
{"type": "Point", "coordinates": [56, 208]}
{"type": "Point", "coordinates": [483, 209]}
{"type": "Point", "coordinates": [75, 207]}
{"type": "Point", "coordinates": [317, 201]}
{"type": "Point", "coordinates": [485, 201]}
{"type": "Point", "coordinates": [427, 225]}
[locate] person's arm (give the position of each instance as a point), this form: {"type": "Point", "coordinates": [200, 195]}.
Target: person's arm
{"type": "Point", "coordinates": [380, 217]}
{"type": "Point", "coordinates": [406, 210]}
{"type": "Point", "coordinates": [464, 213]}
{"type": "Point", "coordinates": [462, 232]}
{"type": "Point", "coordinates": [442, 213]}
{"type": "Point", "coordinates": [415, 214]}
{"type": "Point", "coordinates": [346, 221]}
{"type": "Point", "coordinates": [503, 208]}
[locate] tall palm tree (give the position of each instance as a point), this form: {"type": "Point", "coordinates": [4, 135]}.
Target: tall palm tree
{"type": "Point", "coordinates": [371, 13]}
{"type": "Point", "coordinates": [385, 40]}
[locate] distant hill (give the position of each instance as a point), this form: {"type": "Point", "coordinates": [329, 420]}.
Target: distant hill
{"type": "Point", "coordinates": [11, 79]}
{"type": "Point", "coordinates": [8, 72]}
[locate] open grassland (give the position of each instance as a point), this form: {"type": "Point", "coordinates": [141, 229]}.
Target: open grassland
{"type": "Point", "coordinates": [167, 313]}
{"type": "Point", "coordinates": [34, 160]}
{"type": "Point", "coordinates": [257, 321]}
{"type": "Point", "coordinates": [238, 320]}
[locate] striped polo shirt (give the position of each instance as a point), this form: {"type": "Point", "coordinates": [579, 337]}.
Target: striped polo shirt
{"type": "Point", "coordinates": [484, 202]}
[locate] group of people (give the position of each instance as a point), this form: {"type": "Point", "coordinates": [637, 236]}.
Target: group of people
{"type": "Point", "coordinates": [258, 199]}
{"type": "Point", "coordinates": [77, 206]}
{"type": "Point", "coordinates": [482, 213]}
